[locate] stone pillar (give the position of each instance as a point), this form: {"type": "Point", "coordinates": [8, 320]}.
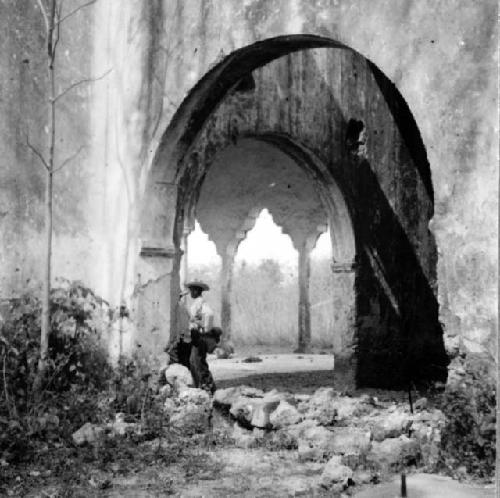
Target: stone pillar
{"type": "Point", "coordinates": [344, 302]}
{"type": "Point", "coordinates": [304, 340]}
{"type": "Point", "coordinates": [228, 256]}
{"type": "Point", "coordinates": [158, 267]}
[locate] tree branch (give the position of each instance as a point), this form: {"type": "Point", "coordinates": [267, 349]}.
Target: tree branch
{"type": "Point", "coordinates": [45, 15]}
{"type": "Point", "coordinates": [37, 153]}
{"type": "Point", "coordinates": [69, 159]}
{"type": "Point", "coordinates": [74, 11]}
{"type": "Point", "coordinates": [57, 30]}
{"type": "Point", "coordinates": [78, 83]}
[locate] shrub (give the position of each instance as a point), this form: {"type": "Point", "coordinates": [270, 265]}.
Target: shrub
{"type": "Point", "coordinates": [76, 368]}
{"type": "Point", "coordinates": [468, 438]}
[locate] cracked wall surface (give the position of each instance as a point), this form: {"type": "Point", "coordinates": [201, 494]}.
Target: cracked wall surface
{"type": "Point", "coordinates": [441, 56]}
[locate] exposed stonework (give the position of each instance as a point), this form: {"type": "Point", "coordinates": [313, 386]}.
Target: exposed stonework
{"type": "Point", "coordinates": [173, 64]}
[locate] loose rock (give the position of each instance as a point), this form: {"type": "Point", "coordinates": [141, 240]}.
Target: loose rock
{"type": "Point", "coordinates": [336, 476]}
{"type": "Point", "coordinates": [392, 453]}
{"type": "Point", "coordinates": [284, 415]}
{"type": "Point", "coordinates": [87, 433]}
{"type": "Point", "coordinates": [178, 376]}
{"type": "Point", "coordinates": [351, 440]}
{"type": "Point", "coordinates": [243, 438]}
{"type": "Point", "coordinates": [242, 409]}
{"type": "Point", "coordinates": [262, 413]}
{"type": "Point", "coordinates": [391, 425]}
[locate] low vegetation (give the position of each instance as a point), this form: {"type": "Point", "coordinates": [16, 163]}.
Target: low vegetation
{"type": "Point", "coordinates": [37, 420]}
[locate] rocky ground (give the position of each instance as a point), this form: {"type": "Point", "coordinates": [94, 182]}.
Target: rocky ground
{"type": "Point", "coordinates": [271, 434]}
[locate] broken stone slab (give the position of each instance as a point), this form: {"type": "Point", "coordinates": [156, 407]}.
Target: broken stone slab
{"type": "Point", "coordinates": [362, 477]}
{"type": "Point", "coordinates": [243, 438]}
{"type": "Point", "coordinates": [307, 451]}
{"type": "Point", "coordinates": [251, 392]}
{"type": "Point", "coordinates": [242, 409]}
{"type": "Point", "coordinates": [391, 425]}
{"type": "Point", "coordinates": [178, 375]}
{"type": "Point", "coordinates": [226, 397]}
{"type": "Point", "coordinates": [351, 441]}
{"type": "Point", "coordinates": [190, 411]}
{"type": "Point", "coordinates": [276, 395]}
{"type": "Point", "coordinates": [191, 418]}
{"type": "Point", "coordinates": [297, 431]}
{"type": "Point", "coordinates": [302, 398]}
{"type": "Point", "coordinates": [392, 453]}
{"type": "Point", "coordinates": [348, 408]}
{"type": "Point", "coordinates": [284, 415]}
{"type": "Point", "coordinates": [320, 406]}
{"type": "Point", "coordinates": [121, 428]}
{"type": "Point", "coordinates": [261, 413]}
{"type": "Point", "coordinates": [195, 396]}
{"type": "Point", "coordinates": [336, 476]}
{"type": "Point", "coordinates": [87, 433]}
{"type": "Point", "coordinates": [420, 404]}
{"type": "Point", "coordinates": [315, 443]}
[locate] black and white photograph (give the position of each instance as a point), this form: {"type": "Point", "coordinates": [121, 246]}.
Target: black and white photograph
{"type": "Point", "coordinates": [249, 248]}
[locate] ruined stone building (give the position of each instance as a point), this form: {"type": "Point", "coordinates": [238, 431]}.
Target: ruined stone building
{"type": "Point", "coordinates": [375, 118]}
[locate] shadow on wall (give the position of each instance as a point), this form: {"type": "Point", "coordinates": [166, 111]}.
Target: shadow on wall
{"type": "Point", "coordinates": [398, 337]}
{"type": "Point", "coordinates": [405, 343]}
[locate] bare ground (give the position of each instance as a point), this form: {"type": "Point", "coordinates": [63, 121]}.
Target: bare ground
{"type": "Point", "coordinates": [213, 467]}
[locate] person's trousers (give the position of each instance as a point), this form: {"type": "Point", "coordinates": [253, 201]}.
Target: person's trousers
{"type": "Point", "coordinates": [193, 355]}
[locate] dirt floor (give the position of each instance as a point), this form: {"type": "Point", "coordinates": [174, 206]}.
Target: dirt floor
{"type": "Point", "coordinates": [217, 468]}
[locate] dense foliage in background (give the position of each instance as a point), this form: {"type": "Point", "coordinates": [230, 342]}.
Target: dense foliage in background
{"type": "Point", "coordinates": [265, 301]}
{"type": "Point", "coordinates": [469, 437]}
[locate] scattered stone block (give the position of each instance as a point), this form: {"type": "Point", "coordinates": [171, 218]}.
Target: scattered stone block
{"type": "Point", "coordinates": [242, 409]}
{"type": "Point", "coordinates": [178, 375]}
{"type": "Point", "coordinates": [392, 453]}
{"type": "Point", "coordinates": [351, 440]}
{"type": "Point", "coordinates": [261, 414]}
{"type": "Point", "coordinates": [284, 415]}
{"type": "Point", "coordinates": [391, 425]}
{"type": "Point", "coordinates": [192, 411]}
{"type": "Point", "coordinates": [226, 397]}
{"type": "Point", "coordinates": [243, 438]}
{"type": "Point", "coordinates": [335, 476]}
{"type": "Point", "coordinates": [87, 433]}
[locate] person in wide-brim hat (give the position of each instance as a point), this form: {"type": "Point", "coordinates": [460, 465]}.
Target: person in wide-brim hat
{"type": "Point", "coordinates": [197, 337]}
{"type": "Point", "coordinates": [197, 284]}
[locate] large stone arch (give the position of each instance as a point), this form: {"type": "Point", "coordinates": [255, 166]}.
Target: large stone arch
{"type": "Point", "coordinates": [169, 181]}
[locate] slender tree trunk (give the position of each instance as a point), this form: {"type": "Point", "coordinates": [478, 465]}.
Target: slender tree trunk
{"type": "Point", "coordinates": [45, 325]}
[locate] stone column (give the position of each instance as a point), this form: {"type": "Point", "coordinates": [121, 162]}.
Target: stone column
{"type": "Point", "coordinates": [304, 339]}
{"type": "Point", "coordinates": [226, 283]}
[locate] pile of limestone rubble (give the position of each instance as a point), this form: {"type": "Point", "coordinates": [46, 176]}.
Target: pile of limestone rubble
{"type": "Point", "coordinates": [359, 439]}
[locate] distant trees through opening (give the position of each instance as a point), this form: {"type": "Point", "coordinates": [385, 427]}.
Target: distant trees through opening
{"type": "Point", "coordinates": [265, 286]}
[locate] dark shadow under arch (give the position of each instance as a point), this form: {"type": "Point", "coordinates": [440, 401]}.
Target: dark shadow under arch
{"type": "Point", "coordinates": [168, 165]}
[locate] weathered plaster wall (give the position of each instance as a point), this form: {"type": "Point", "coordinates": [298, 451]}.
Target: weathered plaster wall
{"type": "Point", "coordinates": [23, 113]}
{"type": "Point", "coordinates": [442, 57]}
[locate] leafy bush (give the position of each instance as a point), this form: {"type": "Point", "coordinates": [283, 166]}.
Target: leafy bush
{"type": "Point", "coordinates": [468, 439]}
{"type": "Point", "coordinates": [77, 368]}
